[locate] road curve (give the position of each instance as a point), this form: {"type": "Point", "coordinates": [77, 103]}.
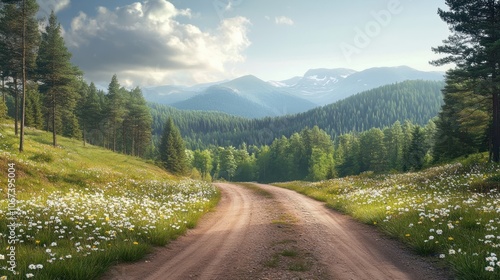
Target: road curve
{"type": "Point", "coordinates": [244, 238]}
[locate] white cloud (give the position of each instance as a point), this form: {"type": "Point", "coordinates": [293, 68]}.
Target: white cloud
{"type": "Point", "coordinates": [46, 6]}
{"type": "Point", "coordinates": [283, 20]}
{"type": "Point", "coordinates": [145, 43]}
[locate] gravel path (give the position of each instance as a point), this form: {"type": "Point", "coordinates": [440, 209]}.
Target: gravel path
{"type": "Point", "coordinates": [266, 232]}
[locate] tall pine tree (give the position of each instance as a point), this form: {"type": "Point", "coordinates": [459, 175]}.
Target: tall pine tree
{"type": "Point", "coordinates": [172, 150]}
{"type": "Point", "coordinates": [474, 47]}
{"type": "Point", "coordinates": [20, 37]}
{"type": "Point", "coordinates": [59, 81]}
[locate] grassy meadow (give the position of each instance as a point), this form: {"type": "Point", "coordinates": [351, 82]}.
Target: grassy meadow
{"type": "Point", "coordinates": [450, 212]}
{"type": "Point", "coordinates": [82, 209]}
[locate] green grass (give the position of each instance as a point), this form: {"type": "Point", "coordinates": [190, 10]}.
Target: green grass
{"type": "Point", "coordinates": [257, 190]}
{"type": "Point", "coordinates": [84, 209]}
{"type": "Point", "coordinates": [449, 212]}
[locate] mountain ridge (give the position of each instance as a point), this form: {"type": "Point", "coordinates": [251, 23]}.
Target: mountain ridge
{"type": "Point", "coordinates": [254, 98]}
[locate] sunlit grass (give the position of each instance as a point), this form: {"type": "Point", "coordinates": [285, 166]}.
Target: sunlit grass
{"type": "Point", "coordinates": [83, 209]}
{"type": "Point", "coordinates": [449, 212]}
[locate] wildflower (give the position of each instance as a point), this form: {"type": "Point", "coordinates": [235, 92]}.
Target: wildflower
{"type": "Point", "coordinates": [452, 252]}
{"type": "Point", "coordinates": [136, 243]}
{"type": "Point", "coordinates": [2, 257]}
{"type": "Point", "coordinates": [39, 266]}
{"type": "Point", "coordinates": [431, 237]}
{"type": "Point", "coordinates": [407, 235]}
{"type": "Point", "coordinates": [53, 244]}
{"type": "Point", "coordinates": [37, 242]}
{"type": "Point", "coordinates": [489, 268]}
{"type": "Point", "coordinates": [3, 278]}
{"type": "Point", "coordinates": [29, 275]}
{"type": "Point", "coordinates": [32, 266]}
{"type": "Point", "coordinates": [451, 238]}
{"type": "Point", "coordinates": [442, 256]}
{"type": "Point", "coordinates": [439, 231]}
{"type": "Point", "coordinates": [48, 251]}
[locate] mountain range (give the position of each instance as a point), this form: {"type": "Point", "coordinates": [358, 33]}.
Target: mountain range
{"type": "Point", "coordinates": [251, 97]}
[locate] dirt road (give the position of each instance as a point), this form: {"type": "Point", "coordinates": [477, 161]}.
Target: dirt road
{"type": "Point", "coordinates": [264, 232]}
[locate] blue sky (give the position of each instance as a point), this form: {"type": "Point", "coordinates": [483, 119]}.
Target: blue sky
{"type": "Point", "coordinates": [157, 42]}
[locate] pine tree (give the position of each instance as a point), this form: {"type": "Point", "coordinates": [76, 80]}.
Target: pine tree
{"type": "Point", "coordinates": [90, 113]}
{"type": "Point", "coordinates": [474, 47]}
{"type": "Point", "coordinates": [415, 157]}
{"type": "Point", "coordinates": [34, 114]}
{"type": "Point", "coordinates": [115, 109]}
{"type": "Point", "coordinates": [137, 123]}
{"type": "Point", "coordinates": [59, 81]}
{"type": "Point", "coordinates": [172, 149]}
{"type": "Point", "coordinates": [19, 35]}
{"type": "Point", "coordinates": [463, 123]}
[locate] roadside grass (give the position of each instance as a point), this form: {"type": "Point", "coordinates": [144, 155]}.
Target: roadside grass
{"type": "Point", "coordinates": [256, 189]}
{"type": "Point", "coordinates": [83, 209]}
{"type": "Point", "coordinates": [449, 212]}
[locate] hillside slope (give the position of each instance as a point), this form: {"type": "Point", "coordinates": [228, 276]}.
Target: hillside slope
{"type": "Point", "coordinates": [82, 209]}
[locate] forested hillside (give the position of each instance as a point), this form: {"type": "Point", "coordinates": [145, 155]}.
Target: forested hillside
{"type": "Point", "coordinates": [416, 101]}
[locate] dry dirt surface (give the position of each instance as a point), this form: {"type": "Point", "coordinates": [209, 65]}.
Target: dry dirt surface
{"type": "Point", "coordinates": [264, 232]}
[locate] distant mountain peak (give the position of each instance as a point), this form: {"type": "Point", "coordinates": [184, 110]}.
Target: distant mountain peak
{"type": "Point", "coordinates": [322, 73]}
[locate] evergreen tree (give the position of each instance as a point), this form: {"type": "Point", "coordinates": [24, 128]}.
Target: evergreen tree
{"type": "Point", "coordinates": [372, 151]}
{"type": "Point", "coordinates": [59, 81]}
{"type": "Point", "coordinates": [20, 37]}
{"type": "Point", "coordinates": [415, 157]}
{"type": "Point", "coordinates": [393, 142]}
{"type": "Point", "coordinates": [137, 123]}
{"type": "Point", "coordinates": [115, 109]}
{"type": "Point", "coordinates": [34, 113]}
{"type": "Point", "coordinates": [463, 122]}
{"type": "Point", "coordinates": [474, 47]}
{"type": "Point", "coordinates": [172, 150]}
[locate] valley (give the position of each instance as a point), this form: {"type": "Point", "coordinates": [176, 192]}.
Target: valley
{"type": "Point", "coordinates": [251, 97]}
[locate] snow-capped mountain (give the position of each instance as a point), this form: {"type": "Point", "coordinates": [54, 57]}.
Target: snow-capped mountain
{"type": "Point", "coordinates": [326, 86]}
{"type": "Point", "coordinates": [251, 97]}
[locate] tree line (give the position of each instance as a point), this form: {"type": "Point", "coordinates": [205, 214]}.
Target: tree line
{"type": "Point", "coordinates": [41, 88]}
{"type": "Point", "coordinates": [310, 154]}
{"type": "Point", "coordinates": [416, 101]}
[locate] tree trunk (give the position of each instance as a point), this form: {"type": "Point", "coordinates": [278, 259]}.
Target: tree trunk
{"type": "Point", "coordinates": [83, 134]}
{"type": "Point", "coordinates": [23, 102]}
{"type": "Point", "coordinates": [3, 90]}
{"type": "Point", "coordinates": [54, 139]}
{"type": "Point", "coordinates": [495, 145]}
{"type": "Point", "coordinates": [16, 110]}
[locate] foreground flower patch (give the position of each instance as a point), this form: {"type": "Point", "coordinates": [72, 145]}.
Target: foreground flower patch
{"type": "Point", "coordinates": [439, 212]}
{"type": "Point", "coordinates": [77, 234]}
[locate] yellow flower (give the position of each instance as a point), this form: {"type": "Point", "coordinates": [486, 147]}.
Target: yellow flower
{"type": "Point", "coordinates": [107, 219]}
{"type": "Point", "coordinates": [451, 238]}
{"type": "Point", "coordinates": [136, 243]}
{"type": "Point", "coordinates": [37, 242]}
{"type": "Point", "coordinates": [407, 235]}
{"type": "Point", "coordinates": [3, 278]}
{"type": "Point", "coordinates": [374, 223]}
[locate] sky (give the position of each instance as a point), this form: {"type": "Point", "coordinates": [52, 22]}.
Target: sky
{"type": "Point", "coordinates": [186, 42]}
